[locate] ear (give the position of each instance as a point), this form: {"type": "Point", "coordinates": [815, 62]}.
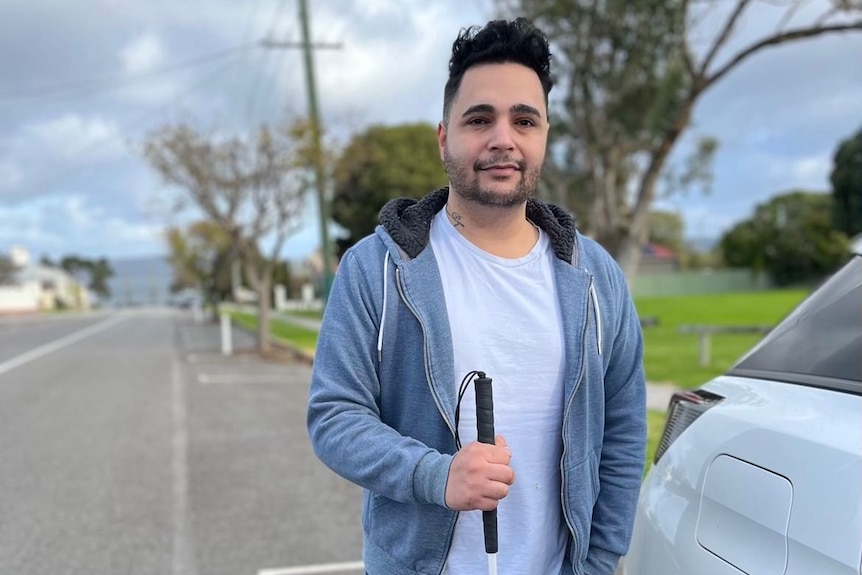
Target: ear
{"type": "Point", "coordinates": [441, 139]}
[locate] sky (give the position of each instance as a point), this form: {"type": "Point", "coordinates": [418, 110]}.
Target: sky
{"type": "Point", "coordinates": [83, 83]}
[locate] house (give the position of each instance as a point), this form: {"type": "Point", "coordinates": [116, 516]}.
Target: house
{"type": "Point", "coordinates": [656, 259]}
{"type": "Point", "coordinates": [39, 288]}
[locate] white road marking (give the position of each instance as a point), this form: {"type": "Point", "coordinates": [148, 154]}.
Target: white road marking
{"type": "Point", "coordinates": [217, 359]}
{"type": "Point", "coordinates": [183, 558]}
{"type": "Point", "coordinates": [229, 378]}
{"type": "Point", "coordinates": [57, 344]}
{"type": "Point", "coordinates": [313, 569]}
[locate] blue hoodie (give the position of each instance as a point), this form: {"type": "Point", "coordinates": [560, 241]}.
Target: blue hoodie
{"type": "Point", "coordinates": [382, 403]}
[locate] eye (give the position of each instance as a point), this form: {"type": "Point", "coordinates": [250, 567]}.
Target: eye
{"type": "Point", "coordinates": [476, 121]}
{"type": "Point", "coordinates": [526, 122]}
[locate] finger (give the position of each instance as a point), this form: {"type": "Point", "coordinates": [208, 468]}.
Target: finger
{"type": "Point", "coordinates": [487, 504]}
{"type": "Point", "coordinates": [496, 454]}
{"type": "Point", "coordinates": [501, 474]}
{"type": "Point", "coordinates": [501, 442]}
{"type": "Point", "coordinates": [495, 490]}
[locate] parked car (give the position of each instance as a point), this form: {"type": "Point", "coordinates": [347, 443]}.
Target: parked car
{"type": "Point", "coordinates": [760, 470]}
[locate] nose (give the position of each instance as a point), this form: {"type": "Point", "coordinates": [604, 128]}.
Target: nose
{"type": "Point", "coordinates": [501, 137]}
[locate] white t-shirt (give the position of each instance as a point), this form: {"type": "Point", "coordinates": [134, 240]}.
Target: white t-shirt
{"type": "Point", "coordinates": [505, 320]}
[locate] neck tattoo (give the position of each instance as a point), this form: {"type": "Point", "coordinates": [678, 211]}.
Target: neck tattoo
{"type": "Point", "coordinates": [455, 218]}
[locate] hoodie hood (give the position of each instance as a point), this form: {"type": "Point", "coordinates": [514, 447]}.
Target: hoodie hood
{"type": "Point", "coordinates": [408, 222]}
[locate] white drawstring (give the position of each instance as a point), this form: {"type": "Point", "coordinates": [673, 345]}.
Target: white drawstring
{"type": "Point", "coordinates": [598, 311]}
{"type": "Point", "coordinates": [383, 316]}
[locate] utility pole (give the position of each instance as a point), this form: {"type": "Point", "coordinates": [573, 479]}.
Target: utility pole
{"type": "Point", "coordinates": [317, 147]}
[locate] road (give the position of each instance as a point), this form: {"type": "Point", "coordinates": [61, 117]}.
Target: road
{"type": "Point", "coordinates": [129, 445]}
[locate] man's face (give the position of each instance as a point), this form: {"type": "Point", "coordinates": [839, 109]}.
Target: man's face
{"type": "Point", "coordinates": [493, 145]}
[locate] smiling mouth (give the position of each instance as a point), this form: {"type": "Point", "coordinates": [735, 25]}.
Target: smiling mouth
{"type": "Point", "coordinates": [502, 170]}
{"type": "Point", "coordinates": [501, 165]}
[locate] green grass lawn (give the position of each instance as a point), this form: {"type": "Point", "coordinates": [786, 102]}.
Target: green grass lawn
{"type": "Point", "coordinates": [672, 357]}
{"type": "Point", "coordinates": [303, 338]}
{"type": "Point", "coordinates": [655, 426]}
{"type": "Point", "coordinates": [309, 313]}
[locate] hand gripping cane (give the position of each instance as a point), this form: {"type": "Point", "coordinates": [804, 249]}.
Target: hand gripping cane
{"type": "Point", "coordinates": [485, 429]}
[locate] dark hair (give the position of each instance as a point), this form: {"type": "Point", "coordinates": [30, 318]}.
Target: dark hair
{"type": "Point", "coordinates": [499, 42]}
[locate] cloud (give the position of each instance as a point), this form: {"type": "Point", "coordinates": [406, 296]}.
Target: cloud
{"type": "Point", "coordinates": [142, 54]}
{"type": "Point", "coordinates": [72, 137]}
{"type": "Point", "coordinates": [146, 54]}
{"type": "Point", "coordinates": [64, 225]}
{"type": "Point", "coordinates": [390, 68]}
{"type": "Point", "coordinates": [807, 172]}
{"type": "Point", "coordinates": [10, 175]}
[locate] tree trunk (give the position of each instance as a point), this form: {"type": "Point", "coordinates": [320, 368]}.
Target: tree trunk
{"type": "Point", "coordinates": [628, 256]}
{"type": "Point", "coordinates": [628, 252]}
{"type": "Point", "coordinates": [263, 306]}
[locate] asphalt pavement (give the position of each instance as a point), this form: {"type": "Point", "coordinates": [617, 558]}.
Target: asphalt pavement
{"type": "Point", "coordinates": [130, 445]}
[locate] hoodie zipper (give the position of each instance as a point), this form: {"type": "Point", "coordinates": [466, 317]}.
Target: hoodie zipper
{"type": "Point", "coordinates": [575, 542]}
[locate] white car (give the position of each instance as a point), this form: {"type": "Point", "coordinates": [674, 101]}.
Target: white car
{"type": "Point", "coordinates": [760, 470]}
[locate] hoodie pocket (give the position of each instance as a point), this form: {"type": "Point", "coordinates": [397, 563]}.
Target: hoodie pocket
{"type": "Point", "coordinates": [581, 493]}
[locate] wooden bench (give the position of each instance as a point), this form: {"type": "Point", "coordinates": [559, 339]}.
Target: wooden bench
{"type": "Point", "coordinates": [705, 333]}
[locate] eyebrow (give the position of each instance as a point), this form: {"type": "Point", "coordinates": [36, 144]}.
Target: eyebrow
{"type": "Point", "coordinates": [489, 109]}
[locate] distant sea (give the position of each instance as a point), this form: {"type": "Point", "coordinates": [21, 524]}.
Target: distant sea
{"type": "Point", "coordinates": [141, 281]}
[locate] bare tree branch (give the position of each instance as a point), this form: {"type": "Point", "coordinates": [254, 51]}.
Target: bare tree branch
{"type": "Point", "coordinates": [791, 12]}
{"type": "Point", "coordinates": [826, 16]}
{"type": "Point", "coordinates": [723, 35]}
{"type": "Point", "coordinates": [686, 52]}
{"type": "Point", "coordinates": [779, 39]}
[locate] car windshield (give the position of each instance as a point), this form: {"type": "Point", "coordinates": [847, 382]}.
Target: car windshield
{"type": "Point", "coordinates": [819, 342]}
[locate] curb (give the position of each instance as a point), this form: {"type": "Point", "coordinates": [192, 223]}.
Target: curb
{"type": "Point", "coordinates": [293, 352]}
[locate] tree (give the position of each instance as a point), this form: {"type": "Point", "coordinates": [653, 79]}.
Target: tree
{"type": "Point", "coordinates": [629, 79]}
{"type": "Point", "coordinates": [200, 257]}
{"type": "Point", "coordinates": [379, 164]}
{"type": "Point", "coordinates": [8, 271]}
{"type": "Point", "coordinates": [790, 237]}
{"type": "Point", "coordinates": [252, 187]}
{"type": "Point", "coordinates": [846, 181]}
{"type": "Point", "coordinates": [98, 271]}
{"type": "Point", "coordinates": [667, 229]}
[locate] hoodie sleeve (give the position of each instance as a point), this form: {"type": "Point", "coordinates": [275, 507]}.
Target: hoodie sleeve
{"type": "Point", "coordinates": [343, 416]}
{"type": "Point", "coordinates": [623, 453]}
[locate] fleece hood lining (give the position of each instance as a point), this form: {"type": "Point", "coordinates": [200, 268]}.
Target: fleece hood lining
{"type": "Point", "coordinates": [408, 222]}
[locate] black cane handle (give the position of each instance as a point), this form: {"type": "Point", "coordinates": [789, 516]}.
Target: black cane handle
{"type": "Point", "coordinates": [485, 430]}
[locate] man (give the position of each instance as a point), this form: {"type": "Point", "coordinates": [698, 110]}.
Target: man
{"type": "Point", "coordinates": [482, 276]}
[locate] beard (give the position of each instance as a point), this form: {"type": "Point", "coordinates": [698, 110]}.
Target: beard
{"type": "Point", "coordinates": [464, 181]}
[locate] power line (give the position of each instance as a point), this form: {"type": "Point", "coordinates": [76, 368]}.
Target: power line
{"type": "Point", "coordinates": [255, 88]}
{"type": "Point", "coordinates": [251, 18]}
{"type": "Point", "coordinates": [107, 83]}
